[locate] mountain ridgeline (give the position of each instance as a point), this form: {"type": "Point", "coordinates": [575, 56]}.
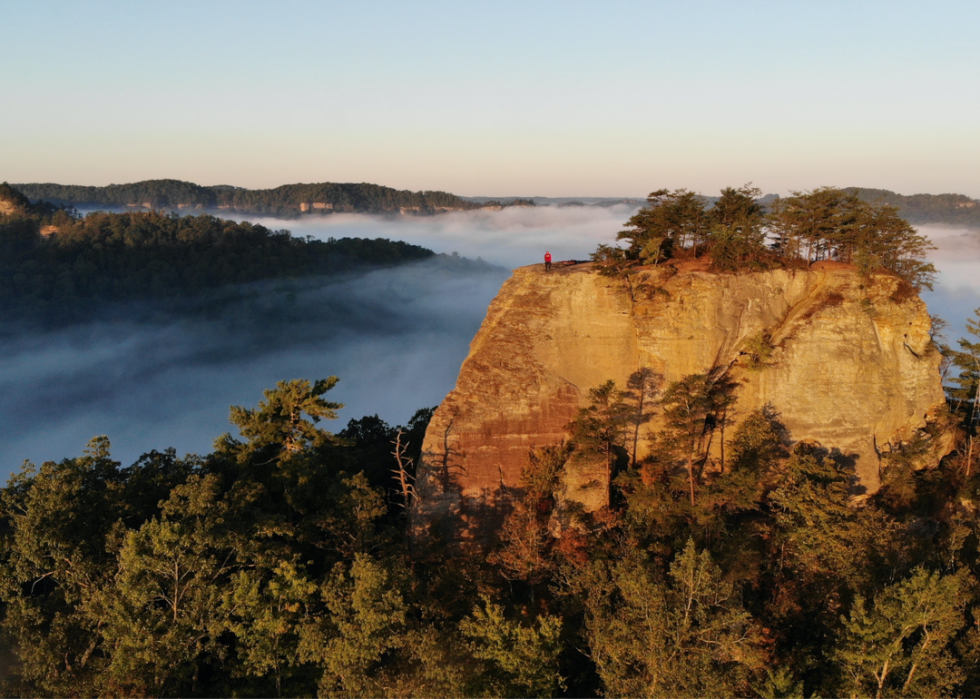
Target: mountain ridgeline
{"type": "Point", "coordinates": [293, 200]}
{"type": "Point", "coordinates": [286, 201]}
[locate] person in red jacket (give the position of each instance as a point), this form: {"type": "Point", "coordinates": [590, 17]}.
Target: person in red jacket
{"type": "Point", "coordinates": [547, 261]}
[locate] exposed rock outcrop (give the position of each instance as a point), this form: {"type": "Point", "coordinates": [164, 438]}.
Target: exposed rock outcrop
{"type": "Point", "coordinates": [852, 367]}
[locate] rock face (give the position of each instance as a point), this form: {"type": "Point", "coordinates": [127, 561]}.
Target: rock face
{"type": "Point", "coordinates": [852, 367]}
{"type": "Point", "coordinates": [8, 208]}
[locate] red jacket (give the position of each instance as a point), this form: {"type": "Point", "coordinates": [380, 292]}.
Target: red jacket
{"type": "Point", "coordinates": [547, 257]}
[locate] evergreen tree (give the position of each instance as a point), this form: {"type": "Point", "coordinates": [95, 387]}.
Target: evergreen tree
{"type": "Point", "coordinates": [966, 392]}
{"type": "Point", "coordinates": [683, 635]}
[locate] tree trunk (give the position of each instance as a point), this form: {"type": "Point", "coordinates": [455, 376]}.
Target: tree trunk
{"type": "Point", "coordinates": [724, 417]}
{"type": "Point", "coordinates": [690, 472]}
{"type": "Point", "coordinates": [401, 473]}
{"type": "Point", "coordinates": [639, 417]}
{"type": "Point", "coordinates": [973, 425]}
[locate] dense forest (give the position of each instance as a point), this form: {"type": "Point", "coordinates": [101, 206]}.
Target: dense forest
{"type": "Point", "coordinates": [58, 266]}
{"type": "Point", "coordinates": [739, 233]}
{"type": "Point", "coordinates": [286, 201]}
{"type": "Point", "coordinates": [279, 564]}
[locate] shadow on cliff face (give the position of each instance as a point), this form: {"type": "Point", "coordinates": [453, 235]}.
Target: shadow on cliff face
{"type": "Point", "coordinates": [395, 337]}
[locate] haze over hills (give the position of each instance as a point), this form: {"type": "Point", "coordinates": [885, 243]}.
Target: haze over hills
{"type": "Point", "coordinates": [298, 200]}
{"type": "Point", "coordinates": [285, 201]}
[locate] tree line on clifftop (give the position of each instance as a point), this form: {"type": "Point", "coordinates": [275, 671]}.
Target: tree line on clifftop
{"type": "Point", "coordinates": [280, 563]}
{"type": "Point", "coordinates": [738, 233]}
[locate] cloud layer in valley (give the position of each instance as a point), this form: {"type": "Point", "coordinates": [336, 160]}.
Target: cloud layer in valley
{"type": "Point", "coordinates": [519, 236]}
{"type": "Point", "coordinates": [513, 237]}
{"type": "Point", "coordinates": [395, 338]}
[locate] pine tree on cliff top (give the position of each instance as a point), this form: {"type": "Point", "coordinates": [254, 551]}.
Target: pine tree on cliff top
{"type": "Point", "coordinates": [822, 224]}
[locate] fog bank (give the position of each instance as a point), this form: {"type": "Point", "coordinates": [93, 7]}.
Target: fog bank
{"type": "Point", "coordinates": [395, 338]}
{"type": "Point", "coordinates": [512, 237]}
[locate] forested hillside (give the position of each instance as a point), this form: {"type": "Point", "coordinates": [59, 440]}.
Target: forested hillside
{"type": "Point", "coordinates": [326, 197]}
{"type": "Point", "coordinates": [285, 201]}
{"type": "Point", "coordinates": [57, 266]}
{"type": "Point", "coordinates": [950, 209]}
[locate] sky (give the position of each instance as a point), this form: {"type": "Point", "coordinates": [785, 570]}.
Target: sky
{"type": "Point", "coordinates": [497, 99]}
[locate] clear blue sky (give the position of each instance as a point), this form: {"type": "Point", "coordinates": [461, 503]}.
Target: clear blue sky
{"type": "Point", "coordinates": [497, 98]}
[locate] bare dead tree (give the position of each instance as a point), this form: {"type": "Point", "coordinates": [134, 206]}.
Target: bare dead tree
{"type": "Point", "coordinates": [402, 475]}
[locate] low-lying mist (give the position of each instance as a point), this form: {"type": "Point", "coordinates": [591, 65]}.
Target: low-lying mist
{"type": "Point", "coordinates": [513, 237]}
{"type": "Point", "coordinates": [395, 337]}
{"type": "Point", "coordinates": [519, 236]}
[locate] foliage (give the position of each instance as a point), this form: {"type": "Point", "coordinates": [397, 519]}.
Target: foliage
{"type": "Point", "coordinates": [740, 235]}
{"type": "Point", "coordinates": [965, 391]}
{"type": "Point", "coordinates": [111, 258]}
{"type": "Point", "coordinates": [900, 645]}
{"type": "Point", "coordinates": [759, 350]}
{"type": "Point", "coordinates": [525, 541]}
{"type": "Point", "coordinates": [671, 219]}
{"type": "Point", "coordinates": [692, 408]}
{"type": "Point", "coordinates": [686, 635]}
{"type": "Point", "coordinates": [518, 660]}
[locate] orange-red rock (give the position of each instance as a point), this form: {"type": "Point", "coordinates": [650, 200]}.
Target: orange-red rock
{"type": "Point", "coordinates": [852, 367]}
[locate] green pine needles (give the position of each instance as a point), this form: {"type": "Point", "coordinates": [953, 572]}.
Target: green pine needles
{"type": "Point", "coordinates": [739, 234]}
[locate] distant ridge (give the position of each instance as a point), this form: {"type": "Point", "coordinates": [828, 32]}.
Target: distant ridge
{"type": "Point", "coordinates": [291, 200]}
{"type": "Point", "coordinates": [951, 209]}
{"type": "Point", "coordinates": [296, 200]}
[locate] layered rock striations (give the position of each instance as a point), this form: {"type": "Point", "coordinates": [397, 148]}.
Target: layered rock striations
{"type": "Point", "coordinates": [852, 367]}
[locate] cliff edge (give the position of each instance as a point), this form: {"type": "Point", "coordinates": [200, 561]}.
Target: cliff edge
{"type": "Point", "coordinates": [850, 365]}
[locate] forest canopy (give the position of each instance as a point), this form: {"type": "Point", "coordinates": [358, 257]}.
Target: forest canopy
{"type": "Point", "coordinates": [738, 233]}
{"type": "Point", "coordinates": [56, 265]}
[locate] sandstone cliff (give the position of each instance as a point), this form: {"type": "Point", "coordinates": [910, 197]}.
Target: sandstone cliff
{"type": "Point", "coordinates": [852, 367]}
